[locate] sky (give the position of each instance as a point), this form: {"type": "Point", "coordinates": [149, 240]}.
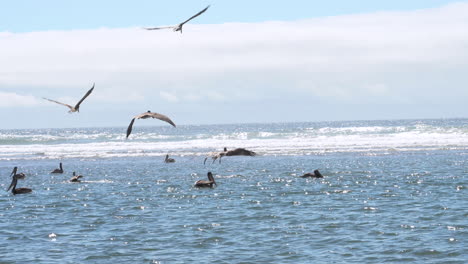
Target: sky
{"type": "Point", "coordinates": [239, 62]}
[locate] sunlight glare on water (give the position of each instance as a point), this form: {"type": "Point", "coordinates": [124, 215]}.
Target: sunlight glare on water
{"type": "Point", "coordinates": [393, 191]}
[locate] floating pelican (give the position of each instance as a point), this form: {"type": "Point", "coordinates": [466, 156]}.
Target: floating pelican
{"type": "Point", "coordinates": [146, 115]}
{"type": "Point", "coordinates": [60, 170]}
{"type": "Point", "coordinates": [209, 183]}
{"type": "Point", "coordinates": [76, 178]}
{"type": "Point", "coordinates": [316, 174]}
{"type": "Point", "coordinates": [178, 27]}
{"type": "Point", "coordinates": [19, 190]}
{"type": "Point", "coordinates": [75, 108]}
{"type": "Point", "coordinates": [234, 152]}
{"type": "Point", "coordinates": [239, 152]}
{"type": "Point", "coordinates": [19, 175]}
{"type": "Point", "coordinates": [168, 160]}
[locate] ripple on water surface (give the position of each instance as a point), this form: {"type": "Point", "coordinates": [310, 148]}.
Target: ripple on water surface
{"type": "Point", "coordinates": [369, 209]}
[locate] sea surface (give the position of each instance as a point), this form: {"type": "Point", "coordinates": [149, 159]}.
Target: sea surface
{"type": "Point", "coordinates": [393, 192]}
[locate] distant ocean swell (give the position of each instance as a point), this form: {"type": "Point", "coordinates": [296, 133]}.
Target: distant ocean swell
{"type": "Point", "coordinates": [265, 139]}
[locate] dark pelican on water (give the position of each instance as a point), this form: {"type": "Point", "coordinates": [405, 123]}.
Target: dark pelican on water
{"type": "Point", "coordinates": [76, 178]}
{"type": "Point", "coordinates": [168, 160]}
{"type": "Point", "coordinates": [178, 27]}
{"type": "Point", "coordinates": [239, 152]}
{"type": "Point", "coordinates": [234, 152]}
{"type": "Point", "coordinates": [209, 183]}
{"type": "Point", "coordinates": [75, 108]}
{"type": "Point", "coordinates": [59, 170]}
{"type": "Point", "coordinates": [316, 174]}
{"type": "Point", "coordinates": [13, 186]}
{"type": "Point", "coordinates": [146, 115]}
{"type": "Point", "coordinates": [19, 175]}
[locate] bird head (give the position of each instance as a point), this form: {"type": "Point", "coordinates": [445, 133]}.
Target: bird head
{"type": "Point", "coordinates": [211, 178]}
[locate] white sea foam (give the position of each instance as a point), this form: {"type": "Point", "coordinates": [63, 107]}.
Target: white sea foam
{"type": "Point", "coordinates": [301, 141]}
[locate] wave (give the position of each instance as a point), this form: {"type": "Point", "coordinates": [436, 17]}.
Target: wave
{"type": "Point", "coordinates": [266, 139]}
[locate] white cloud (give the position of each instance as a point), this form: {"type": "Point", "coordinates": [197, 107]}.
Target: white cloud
{"type": "Point", "coordinates": [387, 56]}
{"type": "Point", "coordinates": [17, 100]}
{"type": "Point", "coordinates": [169, 96]}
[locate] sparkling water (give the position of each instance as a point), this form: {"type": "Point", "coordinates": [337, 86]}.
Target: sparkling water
{"type": "Point", "coordinates": [393, 191]}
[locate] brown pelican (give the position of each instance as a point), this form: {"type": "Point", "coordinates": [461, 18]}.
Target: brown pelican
{"type": "Point", "coordinates": [239, 152]}
{"type": "Point", "coordinates": [76, 178]}
{"type": "Point", "coordinates": [60, 170]}
{"type": "Point", "coordinates": [168, 160]}
{"type": "Point", "coordinates": [146, 115]}
{"type": "Point", "coordinates": [316, 174]}
{"type": "Point", "coordinates": [75, 108]}
{"type": "Point", "coordinates": [19, 175]}
{"type": "Point", "coordinates": [209, 183]}
{"type": "Point", "coordinates": [19, 190]}
{"type": "Point", "coordinates": [234, 152]}
{"type": "Point", "coordinates": [178, 27]}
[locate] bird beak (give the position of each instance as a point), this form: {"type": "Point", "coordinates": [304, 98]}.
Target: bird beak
{"type": "Point", "coordinates": [11, 184]}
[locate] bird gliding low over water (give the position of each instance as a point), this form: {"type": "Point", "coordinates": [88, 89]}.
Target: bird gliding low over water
{"type": "Point", "coordinates": [146, 115]}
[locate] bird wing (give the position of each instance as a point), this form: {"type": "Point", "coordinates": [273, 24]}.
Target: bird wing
{"type": "Point", "coordinates": [129, 129]}
{"type": "Point", "coordinates": [161, 117]}
{"type": "Point", "coordinates": [57, 102]}
{"type": "Point", "coordinates": [146, 115]}
{"type": "Point", "coordinates": [194, 16]}
{"type": "Point", "coordinates": [157, 28]}
{"type": "Point", "coordinates": [84, 97]}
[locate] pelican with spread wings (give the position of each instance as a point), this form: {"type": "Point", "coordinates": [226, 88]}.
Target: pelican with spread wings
{"type": "Point", "coordinates": [178, 27]}
{"type": "Point", "coordinates": [146, 115]}
{"type": "Point", "coordinates": [75, 108]}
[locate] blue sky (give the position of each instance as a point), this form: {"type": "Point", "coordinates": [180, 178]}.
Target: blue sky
{"type": "Point", "coordinates": [32, 15]}
{"type": "Point", "coordinates": [241, 61]}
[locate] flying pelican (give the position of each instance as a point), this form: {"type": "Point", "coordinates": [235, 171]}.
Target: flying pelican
{"type": "Point", "coordinates": [168, 160]}
{"type": "Point", "coordinates": [76, 178]}
{"type": "Point", "coordinates": [19, 190]}
{"type": "Point", "coordinates": [214, 156]}
{"type": "Point", "coordinates": [75, 108]}
{"type": "Point", "coordinates": [60, 170]}
{"type": "Point", "coordinates": [209, 183]}
{"type": "Point", "coordinates": [146, 115]}
{"type": "Point", "coordinates": [178, 27]}
{"type": "Point", "coordinates": [316, 174]}
{"type": "Point", "coordinates": [19, 175]}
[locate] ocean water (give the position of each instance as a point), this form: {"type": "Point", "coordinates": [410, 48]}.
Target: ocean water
{"type": "Point", "coordinates": [392, 192]}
